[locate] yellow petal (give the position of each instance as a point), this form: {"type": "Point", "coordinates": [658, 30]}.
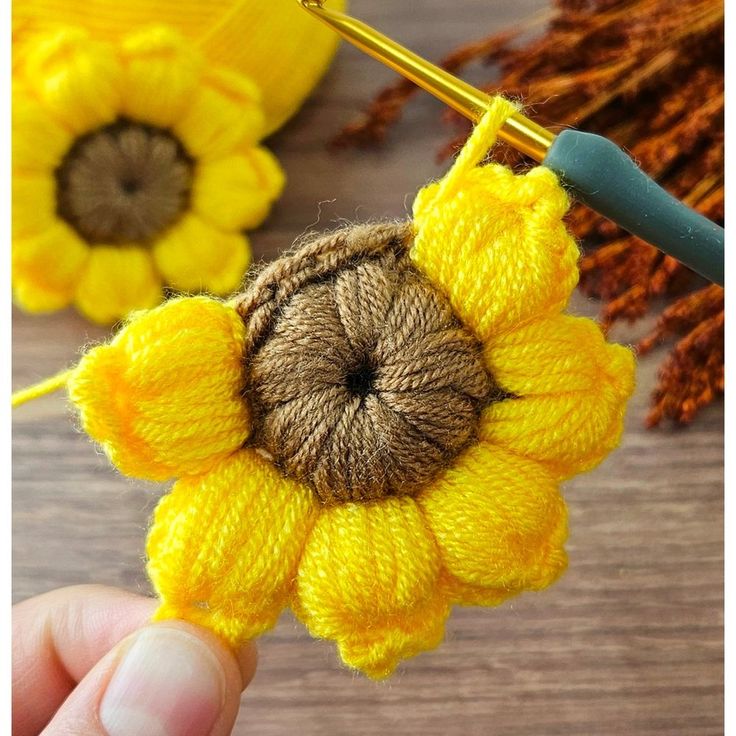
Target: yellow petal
{"type": "Point", "coordinates": [115, 281]}
{"type": "Point", "coordinates": [194, 256]}
{"type": "Point", "coordinates": [46, 268]}
{"type": "Point", "coordinates": [162, 70]}
{"type": "Point", "coordinates": [499, 520]}
{"type": "Point", "coordinates": [369, 580]}
{"type": "Point", "coordinates": [38, 141]}
{"type": "Point", "coordinates": [572, 389]}
{"type": "Point", "coordinates": [163, 397]}
{"type": "Point", "coordinates": [497, 246]}
{"type": "Point", "coordinates": [224, 112]}
{"type": "Point", "coordinates": [77, 78]}
{"type": "Point", "coordinates": [236, 192]}
{"type": "Point", "coordinates": [224, 546]}
{"type": "Point", "coordinates": [34, 203]}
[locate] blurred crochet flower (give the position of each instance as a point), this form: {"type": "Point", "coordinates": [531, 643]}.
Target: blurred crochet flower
{"type": "Point", "coordinates": [285, 55]}
{"type": "Point", "coordinates": [134, 167]}
{"type": "Point", "coordinates": [376, 429]}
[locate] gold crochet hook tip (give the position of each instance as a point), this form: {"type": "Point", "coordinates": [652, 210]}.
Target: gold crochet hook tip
{"type": "Point", "coordinates": [520, 132]}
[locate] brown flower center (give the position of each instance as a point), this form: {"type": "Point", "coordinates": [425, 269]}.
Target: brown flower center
{"type": "Point", "coordinates": [362, 380]}
{"type": "Point", "coordinates": [124, 183]}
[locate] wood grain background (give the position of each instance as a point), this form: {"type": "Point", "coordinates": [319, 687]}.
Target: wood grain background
{"type": "Point", "coordinates": [628, 642]}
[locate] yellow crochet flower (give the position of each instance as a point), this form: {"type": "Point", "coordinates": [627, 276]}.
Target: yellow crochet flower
{"type": "Point", "coordinates": [135, 166]}
{"type": "Point", "coordinates": [376, 429]}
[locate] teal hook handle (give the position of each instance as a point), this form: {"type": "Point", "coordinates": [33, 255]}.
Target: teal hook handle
{"type": "Point", "coordinates": [602, 176]}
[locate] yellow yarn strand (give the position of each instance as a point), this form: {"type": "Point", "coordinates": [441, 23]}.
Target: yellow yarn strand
{"type": "Point", "coordinates": [42, 388]}
{"type": "Point", "coordinates": [482, 139]}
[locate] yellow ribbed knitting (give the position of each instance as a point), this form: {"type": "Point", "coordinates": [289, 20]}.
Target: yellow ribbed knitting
{"type": "Point", "coordinates": [235, 541]}
{"type": "Point", "coordinates": [275, 42]}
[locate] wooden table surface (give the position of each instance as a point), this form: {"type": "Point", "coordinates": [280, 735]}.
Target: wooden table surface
{"type": "Point", "coordinates": [628, 642]}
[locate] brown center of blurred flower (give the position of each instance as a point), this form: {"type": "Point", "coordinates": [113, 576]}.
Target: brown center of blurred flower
{"type": "Point", "coordinates": [124, 183]}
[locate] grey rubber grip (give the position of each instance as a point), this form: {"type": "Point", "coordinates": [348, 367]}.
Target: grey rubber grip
{"type": "Point", "coordinates": [607, 180]}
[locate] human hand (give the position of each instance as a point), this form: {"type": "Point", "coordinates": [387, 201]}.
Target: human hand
{"type": "Point", "coordinates": [87, 661]}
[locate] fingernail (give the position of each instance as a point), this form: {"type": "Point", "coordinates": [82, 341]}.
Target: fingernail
{"type": "Point", "coordinates": [168, 684]}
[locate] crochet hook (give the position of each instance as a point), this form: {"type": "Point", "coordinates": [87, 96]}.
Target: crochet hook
{"type": "Point", "coordinates": [594, 168]}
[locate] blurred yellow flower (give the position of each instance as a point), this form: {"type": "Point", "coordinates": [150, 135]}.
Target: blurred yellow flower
{"type": "Point", "coordinates": [274, 43]}
{"type": "Point", "coordinates": [135, 167]}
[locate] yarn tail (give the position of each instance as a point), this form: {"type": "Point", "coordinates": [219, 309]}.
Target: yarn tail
{"type": "Point", "coordinates": [47, 386]}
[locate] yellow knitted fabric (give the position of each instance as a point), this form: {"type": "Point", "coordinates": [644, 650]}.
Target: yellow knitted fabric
{"type": "Point", "coordinates": [236, 540]}
{"type": "Point", "coordinates": [84, 111]}
{"type": "Point", "coordinates": [274, 43]}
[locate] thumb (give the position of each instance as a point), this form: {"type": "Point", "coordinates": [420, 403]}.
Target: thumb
{"type": "Point", "coordinates": [167, 679]}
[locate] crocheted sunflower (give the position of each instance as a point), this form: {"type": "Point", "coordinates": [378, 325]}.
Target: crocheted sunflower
{"type": "Point", "coordinates": [135, 166]}
{"type": "Point", "coordinates": [376, 428]}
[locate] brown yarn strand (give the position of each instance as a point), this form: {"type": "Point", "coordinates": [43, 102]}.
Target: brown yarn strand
{"type": "Point", "coordinates": [124, 183]}
{"type": "Point", "coordinates": [362, 381]}
{"type": "Point", "coordinates": [648, 74]}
